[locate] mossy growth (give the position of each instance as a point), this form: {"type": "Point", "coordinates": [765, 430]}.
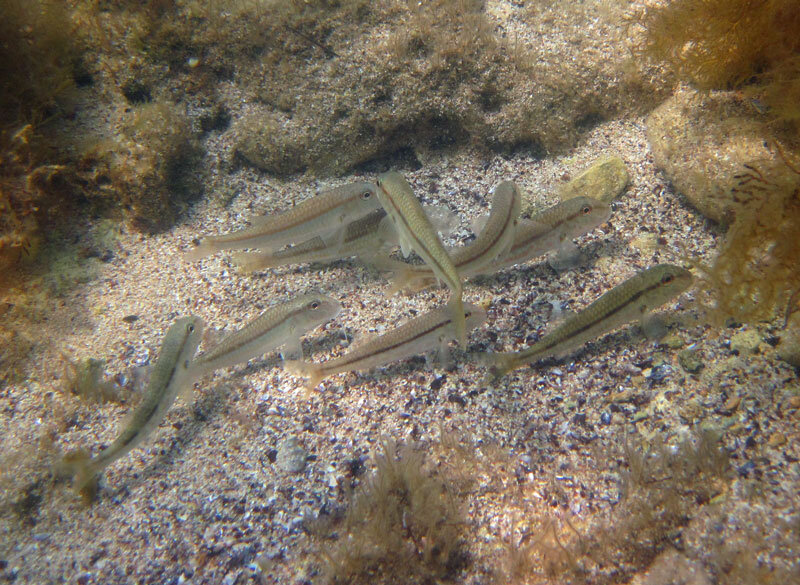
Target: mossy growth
{"type": "Point", "coordinates": [402, 526]}
{"type": "Point", "coordinates": [757, 271]}
{"type": "Point", "coordinates": [749, 45]}
{"type": "Point", "coordinates": [30, 193]}
{"type": "Point", "coordinates": [150, 168]}
{"type": "Point", "coordinates": [85, 379]}
{"type": "Point", "coordinates": [39, 57]}
{"type": "Point", "coordinates": [662, 487]}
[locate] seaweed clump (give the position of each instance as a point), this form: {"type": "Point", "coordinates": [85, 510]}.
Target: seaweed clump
{"type": "Point", "coordinates": [149, 168]}
{"type": "Point", "coordinates": [661, 490]}
{"type": "Point", "coordinates": [402, 526]}
{"type": "Point", "coordinates": [757, 270]}
{"type": "Point", "coordinates": [38, 60]}
{"type": "Point", "coordinates": [747, 45]}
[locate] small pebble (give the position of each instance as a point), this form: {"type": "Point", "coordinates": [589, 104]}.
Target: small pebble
{"type": "Point", "coordinates": [690, 361]}
{"type": "Point", "coordinates": [731, 404]}
{"type": "Point", "coordinates": [672, 341]}
{"type": "Point", "coordinates": [746, 342]}
{"type": "Point", "coordinates": [291, 457]}
{"type": "Point", "coordinates": [776, 440]}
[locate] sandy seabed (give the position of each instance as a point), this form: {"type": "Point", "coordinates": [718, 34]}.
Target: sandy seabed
{"type": "Point", "coordinates": [205, 498]}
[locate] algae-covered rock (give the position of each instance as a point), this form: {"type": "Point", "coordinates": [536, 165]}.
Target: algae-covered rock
{"type": "Point", "coordinates": [336, 87]}
{"type": "Point", "coordinates": [149, 168]}
{"type": "Point", "coordinates": [702, 142]}
{"type": "Point", "coordinates": [604, 180]}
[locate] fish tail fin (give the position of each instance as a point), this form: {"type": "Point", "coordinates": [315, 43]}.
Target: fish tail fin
{"type": "Point", "coordinates": [459, 321]}
{"type": "Point", "coordinates": [303, 369]}
{"type": "Point", "coordinates": [204, 248]}
{"type": "Point", "coordinates": [248, 262]}
{"type": "Point", "coordinates": [78, 465]}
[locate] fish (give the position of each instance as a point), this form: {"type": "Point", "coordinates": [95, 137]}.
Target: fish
{"type": "Point", "coordinates": [366, 237]}
{"type": "Point", "coordinates": [281, 325]}
{"type": "Point", "coordinates": [630, 301]}
{"type": "Point", "coordinates": [551, 229]}
{"type": "Point", "coordinates": [416, 233]}
{"type": "Point", "coordinates": [318, 215]}
{"type": "Point", "coordinates": [428, 331]}
{"type": "Point", "coordinates": [170, 375]}
{"type": "Point", "coordinates": [493, 242]}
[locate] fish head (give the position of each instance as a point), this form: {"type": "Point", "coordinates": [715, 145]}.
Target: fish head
{"type": "Point", "coordinates": [582, 214]}
{"type": "Point", "coordinates": [663, 283]}
{"type": "Point", "coordinates": [190, 332]}
{"type": "Point", "coordinates": [314, 309]}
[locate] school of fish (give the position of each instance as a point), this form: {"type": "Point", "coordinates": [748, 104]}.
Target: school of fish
{"type": "Point", "coordinates": [368, 220]}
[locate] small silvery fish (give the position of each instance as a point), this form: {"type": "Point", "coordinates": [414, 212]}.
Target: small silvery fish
{"type": "Point", "coordinates": [550, 229]}
{"type": "Point", "coordinates": [630, 301]}
{"type": "Point", "coordinates": [429, 331]}
{"type": "Point", "coordinates": [318, 215]}
{"type": "Point", "coordinates": [170, 375]}
{"type": "Point", "coordinates": [365, 237]}
{"type": "Point", "coordinates": [416, 233]}
{"type": "Point", "coordinates": [282, 325]}
{"type": "Point", "coordinates": [493, 242]}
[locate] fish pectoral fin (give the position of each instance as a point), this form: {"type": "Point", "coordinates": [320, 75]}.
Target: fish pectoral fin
{"type": "Point", "coordinates": [653, 326]}
{"type": "Point", "coordinates": [292, 350]}
{"type": "Point", "coordinates": [566, 257]}
{"type": "Point", "coordinates": [444, 354]}
{"type": "Point", "coordinates": [303, 369]}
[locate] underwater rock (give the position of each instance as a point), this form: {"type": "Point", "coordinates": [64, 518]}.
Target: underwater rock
{"type": "Point", "coordinates": [604, 180]}
{"type": "Point", "coordinates": [746, 342]}
{"type": "Point", "coordinates": [702, 142]}
{"type": "Point", "coordinates": [789, 347]}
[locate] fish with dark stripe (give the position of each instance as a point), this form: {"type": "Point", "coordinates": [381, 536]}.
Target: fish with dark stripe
{"type": "Point", "coordinates": [281, 325]}
{"type": "Point", "coordinates": [493, 243]}
{"type": "Point", "coordinates": [415, 232]}
{"type": "Point", "coordinates": [630, 301]}
{"type": "Point", "coordinates": [428, 331]}
{"type": "Point", "coordinates": [322, 214]}
{"type": "Point", "coordinates": [170, 375]}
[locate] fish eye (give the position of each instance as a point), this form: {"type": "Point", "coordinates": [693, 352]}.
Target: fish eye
{"type": "Point", "coordinates": [186, 364]}
{"type": "Point", "coordinates": [667, 278]}
{"type": "Point", "coordinates": [314, 305]}
{"type": "Point", "coordinates": [585, 209]}
{"type": "Point", "coordinates": [366, 194]}
{"type": "Point", "coordinates": [190, 328]}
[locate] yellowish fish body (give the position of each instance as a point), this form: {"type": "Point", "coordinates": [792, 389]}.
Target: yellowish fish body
{"type": "Point", "coordinates": [319, 215]}
{"type": "Point", "coordinates": [493, 242]}
{"type": "Point", "coordinates": [428, 331]}
{"type": "Point", "coordinates": [282, 325]}
{"type": "Point", "coordinates": [551, 228]}
{"type": "Point", "coordinates": [169, 376]}
{"type": "Point", "coordinates": [366, 237]}
{"type": "Point", "coordinates": [416, 233]}
{"type": "Point", "coordinates": [630, 301]}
